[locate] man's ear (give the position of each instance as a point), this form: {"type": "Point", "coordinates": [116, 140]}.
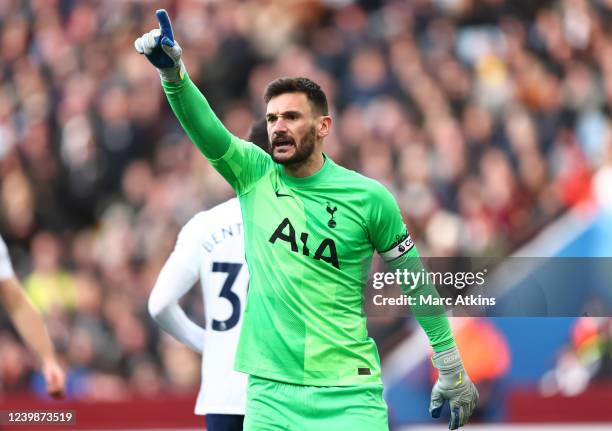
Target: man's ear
{"type": "Point", "coordinates": [325, 123]}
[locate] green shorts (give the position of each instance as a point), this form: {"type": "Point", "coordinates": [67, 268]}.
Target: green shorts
{"type": "Point", "coordinates": [276, 406]}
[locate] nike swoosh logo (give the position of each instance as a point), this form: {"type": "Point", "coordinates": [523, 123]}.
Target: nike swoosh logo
{"type": "Point", "coordinates": [280, 195]}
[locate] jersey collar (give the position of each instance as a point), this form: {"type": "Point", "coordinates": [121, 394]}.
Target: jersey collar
{"type": "Point", "coordinates": [311, 180]}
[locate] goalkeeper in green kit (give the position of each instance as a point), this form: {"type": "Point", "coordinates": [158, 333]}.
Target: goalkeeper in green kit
{"type": "Point", "coordinates": [311, 228]}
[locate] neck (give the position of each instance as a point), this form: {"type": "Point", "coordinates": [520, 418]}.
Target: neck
{"type": "Point", "coordinates": [307, 167]}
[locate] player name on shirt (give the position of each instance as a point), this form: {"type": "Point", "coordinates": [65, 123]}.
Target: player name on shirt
{"type": "Point", "coordinates": [220, 235]}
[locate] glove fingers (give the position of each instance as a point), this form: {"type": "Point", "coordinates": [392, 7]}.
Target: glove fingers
{"type": "Point", "coordinates": [456, 419]}
{"type": "Point", "coordinates": [173, 51]}
{"type": "Point", "coordinates": [436, 404]}
{"type": "Point", "coordinates": [138, 45]}
{"type": "Point", "coordinates": [467, 413]}
{"type": "Point", "coordinates": [165, 41]}
{"type": "Point", "coordinates": [471, 406]}
{"type": "Point", "coordinates": [147, 42]}
{"type": "Point", "coordinates": [150, 40]}
{"type": "Point", "coordinates": [164, 24]}
{"type": "Point", "coordinates": [161, 50]}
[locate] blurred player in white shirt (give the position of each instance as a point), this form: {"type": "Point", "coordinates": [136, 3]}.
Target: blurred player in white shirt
{"type": "Point", "coordinates": [210, 248]}
{"type": "Point", "coordinates": [29, 324]}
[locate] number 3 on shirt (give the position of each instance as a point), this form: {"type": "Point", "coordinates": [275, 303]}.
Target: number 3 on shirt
{"type": "Point", "coordinates": [232, 270]}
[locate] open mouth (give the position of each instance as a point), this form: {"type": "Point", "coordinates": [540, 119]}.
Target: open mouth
{"type": "Point", "coordinates": [283, 143]}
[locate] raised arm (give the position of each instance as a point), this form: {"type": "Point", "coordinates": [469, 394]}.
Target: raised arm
{"type": "Point", "coordinates": [241, 163]}
{"type": "Point", "coordinates": [191, 108]}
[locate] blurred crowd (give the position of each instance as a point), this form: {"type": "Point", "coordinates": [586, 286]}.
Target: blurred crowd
{"type": "Point", "coordinates": [585, 359]}
{"type": "Point", "coordinates": [486, 118]}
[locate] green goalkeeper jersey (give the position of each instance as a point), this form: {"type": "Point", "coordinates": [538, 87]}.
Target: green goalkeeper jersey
{"type": "Point", "coordinates": [309, 243]}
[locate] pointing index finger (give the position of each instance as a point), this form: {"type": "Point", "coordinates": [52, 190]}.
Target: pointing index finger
{"type": "Point", "coordinates": [164, 24]}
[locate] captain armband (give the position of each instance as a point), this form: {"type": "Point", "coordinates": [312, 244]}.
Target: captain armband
{"type": "Point", "coordinates": [398, 250]}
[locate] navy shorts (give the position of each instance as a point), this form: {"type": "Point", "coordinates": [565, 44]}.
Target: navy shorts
{"type": "Point", "coordinates": [224, 422]}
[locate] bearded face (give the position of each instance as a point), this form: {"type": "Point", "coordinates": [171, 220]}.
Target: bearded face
{"type": "Point", "coordinates": [287, 151]}
{"type": "Point", "coordinates": [291, 128]}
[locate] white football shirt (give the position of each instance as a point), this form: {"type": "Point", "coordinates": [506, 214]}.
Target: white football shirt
{"type": "Point", "coordinates": [210, 247]}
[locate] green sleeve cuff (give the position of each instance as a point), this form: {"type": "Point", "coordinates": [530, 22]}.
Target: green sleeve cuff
{"type": "Point", "coordinates": [438, 331]}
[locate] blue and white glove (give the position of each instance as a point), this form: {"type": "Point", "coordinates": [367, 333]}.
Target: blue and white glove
{"type": "Point", "coordinates": [162, 50]}
{"type": "Point", "coordinates": [455, 386]}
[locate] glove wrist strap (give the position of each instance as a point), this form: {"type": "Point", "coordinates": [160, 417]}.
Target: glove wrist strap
{"type": "Point", "coordinates": [448, 361]}
{"type": "Point", "coordinates": [173, 74]}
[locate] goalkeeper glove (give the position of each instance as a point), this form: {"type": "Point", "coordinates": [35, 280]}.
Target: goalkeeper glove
{"type": "Point", "coordinates": [455, 386]}
{"type": "Point", "coordinates": [162, 50]}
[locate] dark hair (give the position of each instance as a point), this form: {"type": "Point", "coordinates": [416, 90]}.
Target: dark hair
{"type": "Point", "coordinates": [259, 134]}
{"type": "Point", "coordinates": [311, 89]}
